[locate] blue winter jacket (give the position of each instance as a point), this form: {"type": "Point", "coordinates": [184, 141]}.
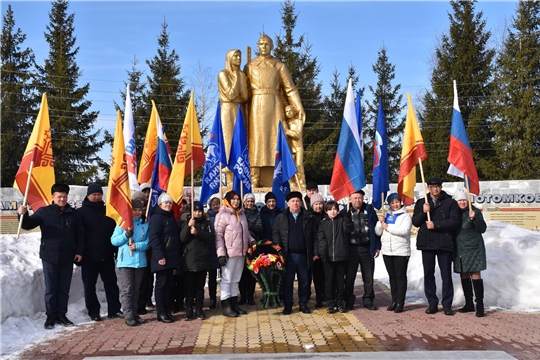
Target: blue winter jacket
{"type": "Point", "coordinates": [140, 237]}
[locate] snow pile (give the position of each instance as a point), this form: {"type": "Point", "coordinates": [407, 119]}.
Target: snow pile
{"type": "Point", "coordinates": [510, 282]}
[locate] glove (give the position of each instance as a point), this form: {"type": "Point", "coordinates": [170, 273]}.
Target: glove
{"type": "Point", "coordinates": [252, 243]}
{"type": "Point", "coordinates": [129, 233]}
{"type": "Point", "coordinates": [222, 260]}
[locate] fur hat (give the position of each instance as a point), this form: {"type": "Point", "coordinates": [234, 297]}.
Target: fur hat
{"type": "Point", "coordinates": [164, 197]}
{"type": "Point", "coordinates": [64, 188]}
{"type": "Point", "coordinates": [137, 204]}
{"type": "Point", "coordinates": [145, 186]}
{"type": "Point", "coordinates": [315, 198]}
{"type": "Point", "coordinates": [294, 194]}
{"type": "Point", "coordinates": [94, 188]}
{"type": "Point", "coordinates": [460, 195]}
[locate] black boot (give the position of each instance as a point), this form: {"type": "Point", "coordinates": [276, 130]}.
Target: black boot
{"type": "Point", "coordinates": [213, 303]}
{"type": "Point", "coordinates": [234, 306]}
{"type": "Point", "coordinates": [466, 284]}
{"type": "Point", "coordinates": [227, 310]}
{"type": "Point", "coordinates": [199, 313]}
{"type": "Point", "coordinates": [189, 313]}
{"type": "Point", "coordinates": [479, 292]}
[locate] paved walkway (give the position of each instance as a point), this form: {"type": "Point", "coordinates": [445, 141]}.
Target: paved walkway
{"type": "Point", "coordinates": [500, 335]}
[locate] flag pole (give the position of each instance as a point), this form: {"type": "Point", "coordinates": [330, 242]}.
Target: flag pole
{"type": "Point", "coordinates": [423, 184]}
{"type": "Point", "coordinates": [382, 203]}
{"type": "Point", "coordinates": [25, 196]}
{"type": "Point", "coordinates": [468, 192]}
{"type": "Point", "coordinates": [298, 183]}
{"type": "Point", "coordinates": [220, 184]}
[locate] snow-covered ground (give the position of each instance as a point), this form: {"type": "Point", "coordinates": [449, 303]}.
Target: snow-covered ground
{"type": "Point", "coordinates": [511, 282]}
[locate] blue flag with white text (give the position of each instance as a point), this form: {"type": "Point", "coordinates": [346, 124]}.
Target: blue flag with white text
{"type": "Point", "coordinates": [215, 154]}
{"type": "Point", "coordinates": [381, 180]}
{"type": "Point", "coordinates": [239, 156]}
{"type": "Point", "coordinates": [284, 169]}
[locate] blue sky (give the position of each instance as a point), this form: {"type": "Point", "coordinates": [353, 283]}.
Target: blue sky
{"type": "Point", "coordinates": [111, 34]}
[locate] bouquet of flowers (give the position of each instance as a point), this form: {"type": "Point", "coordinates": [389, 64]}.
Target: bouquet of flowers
{"type": "Point", "coordinates": [267, 265]}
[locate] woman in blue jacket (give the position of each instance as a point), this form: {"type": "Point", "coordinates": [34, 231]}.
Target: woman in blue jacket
{"type": "Point", "coordinates": [131, 261]}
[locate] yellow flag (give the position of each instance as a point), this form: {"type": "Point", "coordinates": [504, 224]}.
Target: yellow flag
{"type": "Point", "coordinates": [118, 204]}
{"type": "Point", "coordinates": [39, 151]}
{"type": "Point", "coordinates": [189, 148]}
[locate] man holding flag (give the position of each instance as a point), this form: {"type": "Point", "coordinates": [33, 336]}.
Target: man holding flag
{"type": "Point", "coordinates": [62, 243]}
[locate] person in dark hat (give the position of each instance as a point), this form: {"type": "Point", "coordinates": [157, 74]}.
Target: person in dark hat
{"type": "Point", "coordinates": [269, 212]}
{"type": "Point", "coordinates": [364, 247]}
{"type": "Point", "coordinates": [62, 243]}
{"type": "Point", "coordinates": [311, 188]}
{"type": "Point", "coordinates": [293, 232]}
{"type": "Point", "coordinates": [99, 259]}
{"type": "Point", "coordinates": [195, 235]}
{"type": "Point", "coordinates": [437, 216]}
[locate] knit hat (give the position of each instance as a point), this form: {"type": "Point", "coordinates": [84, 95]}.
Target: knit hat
{"type": "Point", "coordinates": [392, 196]}
{"type": "Point", "coordinates": [137, 204]}
{"type": "Point", "coordinates": [94, 188]}
{"type": "Point", "coordinates": [138, 195]}
{"type": "Point", "coordinates": [197, 205]}
{"type": "Point", "coordinates": [315, 198]}
{"type": "Point", "coordinates": [63, 188]}
{"type": "Point", "coordinates": [294, 194]}
{"type": "Point", "coordinates": [164, 197]}
{"type": "Point", "coordinates": [460, 195]}
{"type": "Point", "coordinates": [312, 185]}
{"type": "Point", "coordinates": [145, 186]}
{"type": "Point", "coordinates": [268, 196]}
{"type": "Point", "coordinates": [249, 196]}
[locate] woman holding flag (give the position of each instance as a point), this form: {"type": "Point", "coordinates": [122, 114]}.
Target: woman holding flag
{"type": "Point", "coordinates": [395, 231]}
{"type": "Point", "coordinates": [131, 262]}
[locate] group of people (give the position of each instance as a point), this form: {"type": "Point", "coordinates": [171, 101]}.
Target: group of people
{"type": "Point", "coordinates": [322, 245]}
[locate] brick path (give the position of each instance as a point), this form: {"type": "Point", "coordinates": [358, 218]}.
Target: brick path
{"type": "Point", "coordinates": [268, 331]}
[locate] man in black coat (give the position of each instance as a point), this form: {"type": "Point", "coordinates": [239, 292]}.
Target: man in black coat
{"type": "Point", "coordinates": [99, 255]}
{"type": "Point", "coordinates": [293, 231]}
{"type": "Point", "coordinates": [269, 212]}
{"type": "Point", "coordinates": [62, 243]}
{"type": "Point", "coordinates": [364, 246]}
{"type": "Point", "coordinates": [436, 240]}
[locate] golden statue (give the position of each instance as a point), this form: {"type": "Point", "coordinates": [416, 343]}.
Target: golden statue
{"type": "Point", "coordinates": [293, 132]}
{"type": "Point", "coordinates": [271, 88]}
{"type": "Point", "coordinates": [233, 90]}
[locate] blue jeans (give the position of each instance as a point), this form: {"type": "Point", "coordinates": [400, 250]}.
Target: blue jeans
{"type": "Point", "coordinates": [296, 265]}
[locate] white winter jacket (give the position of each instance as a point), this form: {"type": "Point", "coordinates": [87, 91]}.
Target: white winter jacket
{"type": "Point", "coordinates": [396, 240]}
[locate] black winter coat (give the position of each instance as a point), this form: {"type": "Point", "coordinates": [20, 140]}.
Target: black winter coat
{"type": "Point", "coordinates": [164, 235]}
{"type": "Point", "coordinates": [254, 222]}
{"type": "Point", "coordinates": [470, 252]}
{"type": "Point", "coordinates": [214, 262]}
{"type": "Point", "coordinates": [268, 218]}
{"type": "Point", "coordinates": [333, 243]}
{"type": "Point", "coordinates": [195, 256]}
{"type": "Point", "coordinates": [446, 217]}
{"type": "Point", "coordinates": [280, 234]}
{"type": "Point", "coordinates": [62, 233]}
{"type": "Point", "coordinates": [98, 230]}
{"type": "Point", "coordinates": [316, 222]}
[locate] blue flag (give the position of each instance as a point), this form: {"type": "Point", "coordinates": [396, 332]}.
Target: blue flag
{"type": "Point", "coordinates": [161, 172]}
{"type": "Point", "coordinates": [381, 180]}
{"type": "Point", "coordinates": [284, 169]}
{"type": "Point", "coordinates": [215, 154]}
{"type": "Point", "coordinates": [239, 156]}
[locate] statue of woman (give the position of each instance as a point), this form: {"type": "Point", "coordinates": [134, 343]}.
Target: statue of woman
{"type": "Point", "coordinates": [233, 90]}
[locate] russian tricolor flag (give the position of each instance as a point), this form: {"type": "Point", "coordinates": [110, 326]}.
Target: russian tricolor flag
{"type": "Point", "coordinates": [460, 155]}
{"type": "Point", "coordinates": [162, 169]}
{"type": "Point", "coordinates": [348, 173]}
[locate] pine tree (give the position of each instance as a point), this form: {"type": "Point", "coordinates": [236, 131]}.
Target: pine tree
{"type": "Point", "coordinates": [322, 153]}
{"type": "Point", "coordinates": [393, 106]}
{"type": "Point", "coordinates": [18, 103]}
{"type": "Point", "coordinates": [517, 125]}
{"type": "Point", "coordinates": [75, 144]}
{"type": "Point", "coordinates": [461, 55]}
{"type": "Point", "coordinates": [166, 88]}
{"type": "Point", "coordinates": [304, 69]}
